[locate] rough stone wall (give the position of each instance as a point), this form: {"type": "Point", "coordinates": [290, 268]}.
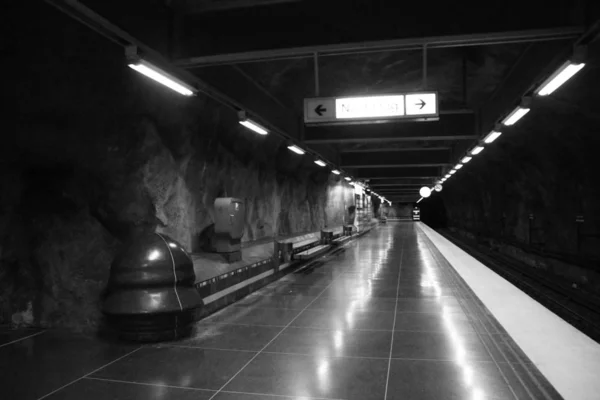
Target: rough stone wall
{"type": "Point", "coordinates": [95, 153]}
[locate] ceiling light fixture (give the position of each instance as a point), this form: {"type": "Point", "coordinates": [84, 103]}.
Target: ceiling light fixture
{"type": "Point", "coordinates": [493, 135]}
{"type": "Point", "coordinates": [458, 166]}
{"type": "Point", "coordinates": [253, 126]}
{"type": "Point", "coordinates": [320, 163]}
{"type": "Point", "coordinates": [347, 178]}
{"type": "Point", "coordinates": [135, 62]}
{"type": "Point", "coordinates": [466, 159]}
{"type": "Point", "coordinates": [452, 172]}
{"type": "Point", "coordinates": [476, 150]}
{"type": "Point", "coordinates": [516, 115]}
{"type": "Point", "coordinates": [296, 149]}
{"type": "Point", "coordinates": [563, 73]}
{"type": "Point", "coordinates": [336, 171]}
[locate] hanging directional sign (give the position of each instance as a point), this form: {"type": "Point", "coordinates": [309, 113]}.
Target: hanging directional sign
{"type": "Point", "coordinates": [349, 109]}
{"type": "Point", "coordinates": [319, 110]}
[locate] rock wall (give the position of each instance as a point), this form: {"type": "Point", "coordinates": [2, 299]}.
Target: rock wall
{"type": "Point", "coordinates": [95, 153]}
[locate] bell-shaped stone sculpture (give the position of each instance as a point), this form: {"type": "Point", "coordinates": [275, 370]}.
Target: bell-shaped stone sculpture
{"type": "Point", "coordinates": [151, 294]}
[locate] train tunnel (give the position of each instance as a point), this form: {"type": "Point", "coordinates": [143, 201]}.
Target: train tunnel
{"type": "Point", "coordinates": [289, 199]}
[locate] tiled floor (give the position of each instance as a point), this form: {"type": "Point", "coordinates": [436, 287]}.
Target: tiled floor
{"type": "Point", "coordinates": [387, 319]}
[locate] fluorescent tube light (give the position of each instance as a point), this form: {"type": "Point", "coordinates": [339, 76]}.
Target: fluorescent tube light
{"type": "Point", "coordinates": [335, 171]}
{"type": "Point", "coordinates": [493, 135]}
{"type": "Point", "coordinates": [296, 149]}
{"type": "Point", "coordinates": [558, 78]}
{"type": "Point", "coordinates": [347, 178]}
{"type": "Point", "coordinates": [452, 172]}
{"type": "Point", "coordinates": [458, 166]}
{"type": "Point", "coordinates": [253, 126]}
{"type": "Point", "coordinates": [466, 159]}
{"type": "Point", "coordinates": [160, 76]}
{"type": "Point", "coordinates": [516, 115]}
{"type": "Point", "coordinates": [320, 163]}
{"type": "Point", "coordinates": [418, 201]}
{"type": "Point", "coordinates": [476, 150]}
{"type": "Point", "coordinates": [447, 176]}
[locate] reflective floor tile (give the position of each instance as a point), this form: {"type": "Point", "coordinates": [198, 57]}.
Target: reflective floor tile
{"type": "Point", "coordinates": [229, 337]}
{"type": "Point", "coordinates": [178, 366]}
{"type": "Point", "coordinates": [274, 301]}
{"type": "Point", "coordinates": [298, 375]}
{"type": "Point", "coordinates": [292, 289]}
{"type": "Point", "coordinates": [367, 304]}
{"type": "Point", "coordinates": [336, 343]}
{"type": "Point", "coordinates": [427, 290]}
{"type": "Point", "coordinates": [450, 323]}
{"type": "Point", "coordinates": [254, 316]}
{"type": "Point", "coordinates": [345, 319]}
{"type": "Point", "coordinates": [246, 396]}
{"type": "Point", "coordinates": [309, 278]}
{"type": "Point", "coordinates": [360, 291]}
{"type": "Point", "coordinates": [447, 304]}
{"type": "Point", "coordinates": [38, 365]}
{"type": "Point", "coordinates": [426, 380]}
{"type": "Point", "coordinates": [94, 389]}
{"type": "Point", "coordinates": [439, 346]}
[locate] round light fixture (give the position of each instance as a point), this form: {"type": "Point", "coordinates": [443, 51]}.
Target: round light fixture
{"type": "Point", "coordinates": [425, 192]}
{"type": "Point", "coordinates": [438, 188]}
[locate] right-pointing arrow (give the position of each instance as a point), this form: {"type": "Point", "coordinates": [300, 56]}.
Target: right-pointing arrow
{"type": "Point", "coordinates": [421, 103]}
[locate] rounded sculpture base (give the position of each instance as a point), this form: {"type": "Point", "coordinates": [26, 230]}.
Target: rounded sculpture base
{"type": "Point", "coordinates": [153, 327]}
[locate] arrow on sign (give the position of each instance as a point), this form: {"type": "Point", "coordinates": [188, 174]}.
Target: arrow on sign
{"type": "Point", "coordinates": [421, 103]}
{"type": "Point", "coordinates": [320, 110]}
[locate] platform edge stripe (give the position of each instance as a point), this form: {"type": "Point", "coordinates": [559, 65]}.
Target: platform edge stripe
{"type": "Point", "coordinates": [566, 357]}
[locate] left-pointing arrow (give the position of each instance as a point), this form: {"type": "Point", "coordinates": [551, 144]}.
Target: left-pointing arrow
{"type": "Point", "coordinates": [320, 110]}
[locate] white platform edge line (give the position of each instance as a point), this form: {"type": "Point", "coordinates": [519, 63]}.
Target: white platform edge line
{"type": "Point", "coordinates": [566, 357]}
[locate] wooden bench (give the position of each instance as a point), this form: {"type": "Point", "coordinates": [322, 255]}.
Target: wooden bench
{"type": "Point", "coordinates": [286, 249]}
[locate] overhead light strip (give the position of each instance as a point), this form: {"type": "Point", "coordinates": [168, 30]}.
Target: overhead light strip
{"type": "Point", "coordinates": [515, 116]}
{"type": "Point", "coordinates": [493, 135]}
{"type": "Point", "coordinates": [253, 126]}
{"type": "Point", "coordinates": [296, 149]}
{"type": "Point", "coordinates": [153, 72]}
{"type": "Point", "coordinates": [558, 78]}
{"type": "Point", "coordinates": [476, 150]}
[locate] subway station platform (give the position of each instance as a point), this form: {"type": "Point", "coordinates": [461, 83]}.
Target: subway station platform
{"type": "Point", "coordinates": [401, 314]}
